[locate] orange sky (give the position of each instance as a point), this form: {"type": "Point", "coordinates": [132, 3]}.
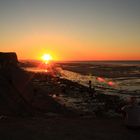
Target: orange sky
{"type": "Point", "coordinates": [62, 48]}
{"type": "Point", "coordinates": [71, 30]}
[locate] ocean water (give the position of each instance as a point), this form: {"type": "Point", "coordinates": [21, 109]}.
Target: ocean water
{"type": "Point", "coordinates": [125, 82]}
{"type": "Point", "coordinates": [113, 78]}
{"type": "Point", "coordinates": [114, 86]}
{"type": "Point", "coordinates": [130, 63]}
{"type": "Point", "coordinates": [110, 77]}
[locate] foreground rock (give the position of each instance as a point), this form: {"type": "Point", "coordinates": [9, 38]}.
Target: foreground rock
{"type": "Point", "coordinates": [8, 59]}
{"type": "Point", "coordinates": [17, 94]}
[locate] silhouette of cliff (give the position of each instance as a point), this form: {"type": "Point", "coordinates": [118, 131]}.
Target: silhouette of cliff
{"type": "Point", "coordinates": [17, 94]}
{"type": "Point", "coordinates": [9, 58]}
{"type": "Point", "coordinates": [13, 98]}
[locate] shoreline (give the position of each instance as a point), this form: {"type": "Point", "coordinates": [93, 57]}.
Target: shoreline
{"type": "Point", "coordinates": [78, 97]}
{"type": "Point", "coordinates": [44, 106]}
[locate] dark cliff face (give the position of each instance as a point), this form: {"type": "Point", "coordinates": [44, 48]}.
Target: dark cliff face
{"type": "Point", "coordinates": [14, 94]}
{"type": "Point", "coordinates": [9, 58]}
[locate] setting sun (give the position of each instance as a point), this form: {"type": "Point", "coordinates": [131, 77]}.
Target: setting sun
{"type": "Point", "coordinates": [46, 57]}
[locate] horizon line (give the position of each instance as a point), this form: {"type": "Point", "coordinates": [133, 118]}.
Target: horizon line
{"type": "Point", "coordinates": [78, 60]}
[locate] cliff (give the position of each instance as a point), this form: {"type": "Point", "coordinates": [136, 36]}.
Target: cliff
{"type": "Point", "coordinates": [13, 88]}
{"type": "Point", "coordinates": [9, 58]}
{"type": "Point", "coordinates": [17, 94]}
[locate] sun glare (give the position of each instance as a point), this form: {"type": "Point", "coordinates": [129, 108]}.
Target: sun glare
{"type": "Point", "coordinates": [46, 57]}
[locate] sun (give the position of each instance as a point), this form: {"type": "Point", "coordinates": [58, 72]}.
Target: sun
{"type": "Point", "coordinates": [46, 57]}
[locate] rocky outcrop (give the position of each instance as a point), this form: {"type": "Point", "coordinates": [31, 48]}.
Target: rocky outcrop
{"type": "Point", "coordinates": [9, 58]}
{"type": "Point", "coordinates": [17, 94]}
{"type": "Point", "coordinates": [14, 95]}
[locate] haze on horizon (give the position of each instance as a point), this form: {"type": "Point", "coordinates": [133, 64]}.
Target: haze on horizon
{"type": "Point", "coordinates": [71, 29]}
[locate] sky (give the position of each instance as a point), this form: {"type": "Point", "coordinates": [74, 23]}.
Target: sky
{"type": "Point", "coordinates": [71, 29]}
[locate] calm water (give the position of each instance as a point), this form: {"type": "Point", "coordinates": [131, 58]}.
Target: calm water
{"type": "Point", "coordinates": [132, 63]}
{"type": "Point", "coordinates": [118, 85]}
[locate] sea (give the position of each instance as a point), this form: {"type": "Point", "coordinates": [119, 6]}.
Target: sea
{"type": "Point", "coordinates": [120, 78]}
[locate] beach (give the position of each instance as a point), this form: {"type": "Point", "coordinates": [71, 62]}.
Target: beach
{"type": "Point", "coordinates": [56, 105]}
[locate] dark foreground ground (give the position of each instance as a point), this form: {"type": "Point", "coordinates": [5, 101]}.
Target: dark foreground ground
{"type": "Point", "coordinates": [65, 128]}
{"type": "Point", "coordinates": [29, 94]}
